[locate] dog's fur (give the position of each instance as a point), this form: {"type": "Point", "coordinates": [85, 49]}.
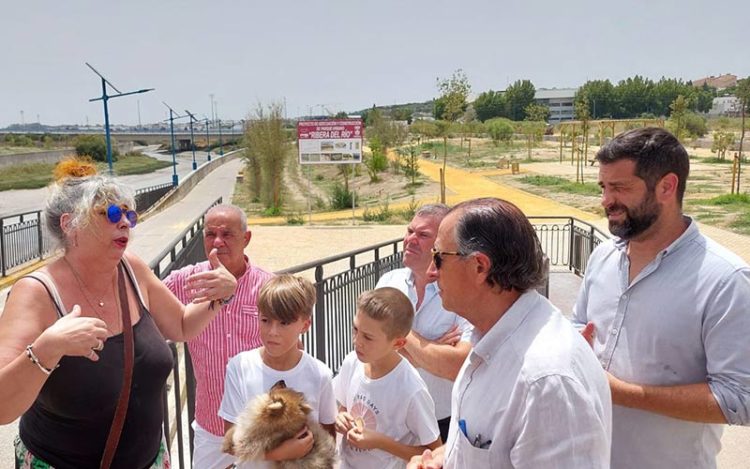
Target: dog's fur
{"type": "Point", "coordinates": [273, 418]}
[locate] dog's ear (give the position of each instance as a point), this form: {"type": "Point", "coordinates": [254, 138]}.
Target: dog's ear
{"type": "Point", "coordinates": [305, 407]}
{"type": "Point", "coordinates": [280, 384]}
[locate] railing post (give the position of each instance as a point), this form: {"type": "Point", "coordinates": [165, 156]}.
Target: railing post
{"type": "Point", "coordinates": [570, 243]}
{"type": "Point", "coordinates": [2, 244]}
{"type": "Point", "coordinates": [320, 316]}
{"type": "Point", "coordinates": [39, 233]}
{"type": "Point", "coordinates": [377, 265]}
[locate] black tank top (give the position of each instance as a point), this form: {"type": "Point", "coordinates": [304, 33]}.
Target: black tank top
{"type": "Point", "coordinates": [68, 424]}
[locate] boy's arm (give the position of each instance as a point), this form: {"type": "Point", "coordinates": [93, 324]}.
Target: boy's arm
{"type": "Point", "coordinates": [344, 421]}
{"type": "Point", "coordinates": [368, 439]}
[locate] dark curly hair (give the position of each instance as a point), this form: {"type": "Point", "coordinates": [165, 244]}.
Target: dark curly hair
{"type": "Point", "coordinates": [499, 230]}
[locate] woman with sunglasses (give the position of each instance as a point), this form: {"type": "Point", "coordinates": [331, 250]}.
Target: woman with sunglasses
{"type": "Point", "coordinates": [65, 331]}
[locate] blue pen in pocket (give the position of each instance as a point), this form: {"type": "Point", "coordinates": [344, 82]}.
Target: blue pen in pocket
{"type": "Point", "coordinates": [462, 426]}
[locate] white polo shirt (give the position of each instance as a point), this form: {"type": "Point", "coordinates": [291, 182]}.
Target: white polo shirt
{"type": "Point", "coordinates": [431, 321]}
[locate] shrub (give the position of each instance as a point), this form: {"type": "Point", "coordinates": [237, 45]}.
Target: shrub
{"type": "Point", "coordinates": [341, 197]}
{"type": "Point", "coordinates": [500, 130]}
{"type": "Point", "coordinates": [94, 146]}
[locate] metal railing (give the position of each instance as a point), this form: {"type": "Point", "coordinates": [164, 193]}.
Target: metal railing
{"type": "Point", "coordinates": [146, 197]}
{"type": "Point", "coordinates": [339, 279]}
{"type": "Point", "coordinates": [22, 239]}
{"type": "Point", "coordinates": [186, 249]}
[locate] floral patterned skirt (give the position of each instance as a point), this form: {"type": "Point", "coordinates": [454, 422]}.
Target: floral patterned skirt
{"type": "Point", "coordinates": [26, 460]}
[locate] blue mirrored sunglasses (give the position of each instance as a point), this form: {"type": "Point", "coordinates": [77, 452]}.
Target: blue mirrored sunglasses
{"type": "Point", "coordinates": [115, 213]}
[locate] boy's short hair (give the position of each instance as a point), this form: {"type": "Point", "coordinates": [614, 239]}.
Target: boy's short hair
{"type": "Point", "coordinates": [389, 306]}
{"type": "Point", "coordinates": [287, 298]}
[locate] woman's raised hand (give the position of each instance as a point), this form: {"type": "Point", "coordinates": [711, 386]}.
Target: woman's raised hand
{"type": "Point", "coordinates": [76, 336]}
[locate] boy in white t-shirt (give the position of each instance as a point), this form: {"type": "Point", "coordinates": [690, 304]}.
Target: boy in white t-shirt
{"type": "Point", "coordinates": [285, 306]}
{"type": "Point", "coordinates": [386, 414]}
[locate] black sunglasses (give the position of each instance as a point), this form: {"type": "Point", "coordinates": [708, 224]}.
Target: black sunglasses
{"type": "Point", "coordinates": [437, 256]}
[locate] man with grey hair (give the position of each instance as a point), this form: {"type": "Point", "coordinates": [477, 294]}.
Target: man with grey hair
{"type": "Point", "coordinates": [234, 329]}
{"type": "Point", "coordinates": [439, 341]}
{"type": "Point", "coordinates": [531, 393]}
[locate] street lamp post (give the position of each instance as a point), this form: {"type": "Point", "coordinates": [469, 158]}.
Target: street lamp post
{"type": "Point", "coordinates": [208, 141]}
{"type": "Point", "coordinates": [172, 116]}
{"type": "Point", "coordinates": [192, 139]}
{"type": "Point", "coordinates": [221, 143]}
{"type": "Point", "coordinates": [105, 98]}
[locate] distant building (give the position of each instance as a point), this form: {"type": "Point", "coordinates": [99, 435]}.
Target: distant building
{"type": "Point", "coordinates": [722, 81]}
{"type": "Point", "coordinates": [560, 102]}
{"type": "Point", "coordinates": [424, 116]}
{"type": "Point", "coordinates": [725, 106]}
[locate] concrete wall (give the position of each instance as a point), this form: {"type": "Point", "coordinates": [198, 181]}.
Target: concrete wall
{"type": "Point", "coordinates": [187, 184]}
{"type": "Point", "coordinates": [49, 156]}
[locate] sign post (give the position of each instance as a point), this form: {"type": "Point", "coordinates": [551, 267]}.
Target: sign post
{"type": "Point", "coordinates": [336, 141]}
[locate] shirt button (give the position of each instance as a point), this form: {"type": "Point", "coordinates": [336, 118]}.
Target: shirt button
{"type": "Point", "coordinates": [229, 336]}
{"type": "Point", "coordinates": [604, 363]}
{"type": "Point", "coordinates": [614, 332]}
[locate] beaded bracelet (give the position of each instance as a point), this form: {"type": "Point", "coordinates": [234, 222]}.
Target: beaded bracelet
{"type": "Point", "coordinates": [35, 360]}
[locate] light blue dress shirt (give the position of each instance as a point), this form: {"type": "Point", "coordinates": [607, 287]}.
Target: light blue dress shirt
{"type": "Point", "coordinates": [684, 319]}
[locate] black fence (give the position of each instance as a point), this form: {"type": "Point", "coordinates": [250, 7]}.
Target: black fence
{"type": "Point", "coordinates": [146, 197]}
{"type": "Point", "coordinates": [567, 242]}
{"type": "Point", "coordinates": [22, 239]}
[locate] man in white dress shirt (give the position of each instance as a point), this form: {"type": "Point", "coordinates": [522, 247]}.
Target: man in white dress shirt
{"type": "Point", "coordinates": [439, 341]}
{"type": "Point", "coordinates": [531, 394]}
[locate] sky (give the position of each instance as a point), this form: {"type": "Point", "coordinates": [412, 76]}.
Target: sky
{"type": "Point", "coordinates": [337, 55]}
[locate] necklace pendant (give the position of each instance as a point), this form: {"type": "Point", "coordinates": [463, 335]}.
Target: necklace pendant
{"type": "Point", "coordinates": [101, 304]}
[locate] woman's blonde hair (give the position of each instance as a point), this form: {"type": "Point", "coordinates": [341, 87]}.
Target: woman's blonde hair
{"type": "Point", "coordinates": [79, 191]}
{"type": "Point", "coordinates": [287, 298]}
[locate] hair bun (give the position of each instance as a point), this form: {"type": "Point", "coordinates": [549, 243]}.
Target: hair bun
{"type": "Point", "coordinates": [74, 167]}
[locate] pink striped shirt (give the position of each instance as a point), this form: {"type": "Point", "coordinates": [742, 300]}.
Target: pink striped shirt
{"type": "Point", "coordinates": [234, 329]}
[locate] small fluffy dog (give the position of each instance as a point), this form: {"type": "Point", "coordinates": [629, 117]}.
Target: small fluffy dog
{"type": "Point", "coordinates": [273, 418]}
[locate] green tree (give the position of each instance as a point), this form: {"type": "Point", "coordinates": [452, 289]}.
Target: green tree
{"type": "Point", "coordinates": [602, 98]}
{"type": "Point", "coordinates": [94, 146]}
{"type": "Point", "coordinates": [677, 118]}
{"type": "Point", "coordinates": [517, 97]}
{"type": "Point", "coordinates": [533, 133]}
{"type": "Point", "coordinates": [453, 94]}
{"type": "Point", "coordinates": [500, 130]}
{"type": "Point", "coordinates": [634, 97]}
{"type": "Point", "coordinates": [489, 104]}
{"type": "Point", "coordinates": [723, 141]}
{"type": "Point", "coordinates": [536, 112]}
{"type": "Point", "coordinates": [341, 115]}
{"type": "Point", "coordinates": [410, 163]}
{"type": "Point", "coordinates": [267, 153]}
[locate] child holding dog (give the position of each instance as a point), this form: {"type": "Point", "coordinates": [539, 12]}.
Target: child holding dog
{"type": "Point", "coordinates": [386, 414]}
{"type": "Point", "coordinates": [285, 306]}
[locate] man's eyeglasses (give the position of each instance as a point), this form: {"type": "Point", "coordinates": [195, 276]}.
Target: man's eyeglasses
{"type": "Point", "coordinates": [437, 256]}
{"type": "Point", "coordinates": [115, 213]}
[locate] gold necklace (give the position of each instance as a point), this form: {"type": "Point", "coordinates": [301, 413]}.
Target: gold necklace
{"type": "Point", "coordinates": [86, 297]}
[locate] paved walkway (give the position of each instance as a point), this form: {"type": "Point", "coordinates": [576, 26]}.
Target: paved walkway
{"type": "Point", "coordinates": [276, 247]}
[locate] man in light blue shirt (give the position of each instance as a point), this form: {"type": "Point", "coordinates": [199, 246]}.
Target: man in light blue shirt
{"type": "Point", "coordinates": [439, 341]}
{"type": "Point", "coordinates": [666, 310]}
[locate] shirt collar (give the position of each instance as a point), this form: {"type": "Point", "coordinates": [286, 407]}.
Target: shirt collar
{"type": "Point", "coordinates": [487, 345]}
{"type": "Point", "coordinates": [687, 236]}
{"type": "Point", "coordinates": [432, 286]}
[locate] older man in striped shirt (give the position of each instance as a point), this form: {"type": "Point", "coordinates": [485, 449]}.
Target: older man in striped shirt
{"type": "Point", "coordinates": [233, 330]}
